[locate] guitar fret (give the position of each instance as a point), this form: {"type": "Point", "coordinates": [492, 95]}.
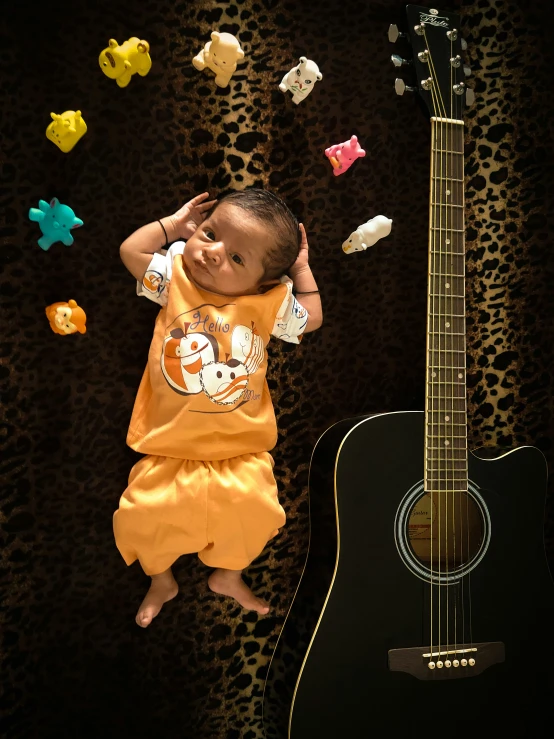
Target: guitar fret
{"type": "Point", "coordinates": [454, 469]}
{"type": "Point", "coordinates": [453, 230]}
{"type": "Point", "coordinates": [447, 151]}
{"type": "Point", "coordinates": [445, 410]}
{"type": "Point", "coordinates": [452, 179]}
{"type": "Point", "coordinates": [445, 382]}
{"type": "Point", "coordinates": [439, 423]}
{"type": "Point", "coordinates": [438, 448]}
{"type": "Point", "coordinates": [448, 205]}
{"type": "Point", "coordinates": [458, 351]}
{"type": "Point", "coordinates": [448, 490]}
{"type": "Point", "coordinates": [441, 469]}
{"type": "Point", "coordinates": [456, 315]}
{"type": "Point", "coordinates": [446, 479]}
{"type": "Point", "coordinates": [457, 436]}
{"type": "Point", "coordinates": [445, 274]}
{"type": "Point", "coordinates": [446, 333]}
{"type": "Point", "coordinates": [445, 295]}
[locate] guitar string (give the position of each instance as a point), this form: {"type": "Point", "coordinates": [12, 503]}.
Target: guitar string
{"type": "Point", "coordinates": [436, 146]}
{"type": "Point", "coordinates": [432, 353]}
{"type": "Point", "coordinates": [430, 364]}
{"type": "Point", "coordinates": [442, 424]}
{"type": "Point", "coordinates": [451, 153]}
{"type": "Point", "coordinates": [453, 323]}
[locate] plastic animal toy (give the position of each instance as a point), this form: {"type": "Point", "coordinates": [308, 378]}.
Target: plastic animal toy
{"type": "Point", "coordinates": [66, 318]}
{"type": "Point", "coordinates": [342, 156]}
{"type": "Point", "coordinates": [66, 129]}
{"type": "Point", "coordinates": [301, 79]}
{"type": "Point", "coordinates": [120, 63]}
{"type": "Point", "coordinates": [221, 55]}
{"type": "Point", "coordinates": [55, 221]}
{"type": "Point", "coordinates": [367, 234]}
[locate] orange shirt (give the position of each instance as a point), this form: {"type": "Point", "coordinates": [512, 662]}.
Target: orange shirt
{"type": "Point", "coordinates": [203, 394]}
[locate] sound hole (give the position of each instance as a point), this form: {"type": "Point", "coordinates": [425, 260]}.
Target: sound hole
{"type": "Point", "coordinates": [445, 530]}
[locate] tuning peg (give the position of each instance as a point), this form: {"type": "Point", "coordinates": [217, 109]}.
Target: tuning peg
{"type": "Point", "coordinates": [395, 34]}
{"type": "Point", "coordinates": [467, 70]}
{"type": "Point", "coordinates": [470, 96]}
{"type": "Point", "coordinates": [401, 87]}
{"type": "Point", "coordinates": [398, 61]}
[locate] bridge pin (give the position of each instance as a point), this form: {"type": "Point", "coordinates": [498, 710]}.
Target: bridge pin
{"type": "Point", "coordinates": [448, 663]}
{"type": "Point", "coordinates": [431, 665]}
{"type": "Point", "coordinates": [440, 664]}
{"type": "Point", "coordinates": [471, 662]}
{"type": "Point", "coordinates": [464, 663]}
{"type": "Point", "coordinates": [456, 663]}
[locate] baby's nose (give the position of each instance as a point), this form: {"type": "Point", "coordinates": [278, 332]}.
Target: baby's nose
{"type": "Point", "coordinates": [213, 253]}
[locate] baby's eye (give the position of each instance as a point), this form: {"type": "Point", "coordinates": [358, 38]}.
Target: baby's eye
{"type": "Point", "coordinates": [210, 235]}
{"type": "Point", "coordinates": [298, 72]}
{"type": "Point", "coordinates": [308, 82]}
{"type": "Point", "coordinates": [237, 257]}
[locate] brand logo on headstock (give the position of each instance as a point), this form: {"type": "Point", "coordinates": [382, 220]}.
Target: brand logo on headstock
{"type": "Point", "coordinates": [434, 20]}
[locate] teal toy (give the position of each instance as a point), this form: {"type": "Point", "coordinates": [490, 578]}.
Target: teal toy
{"type": "Point", "coordinates": [55, 221]}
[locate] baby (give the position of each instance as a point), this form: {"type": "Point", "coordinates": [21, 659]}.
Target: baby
{"type": "Point", "coordinates": [203, 414]}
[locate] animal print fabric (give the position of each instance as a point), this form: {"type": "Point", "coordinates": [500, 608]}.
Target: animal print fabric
{"type": "Point", "coordinates": [73, 662]}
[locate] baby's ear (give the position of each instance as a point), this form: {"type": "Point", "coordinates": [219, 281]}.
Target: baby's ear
{"type": "Point", "coordinates": [266, 285]}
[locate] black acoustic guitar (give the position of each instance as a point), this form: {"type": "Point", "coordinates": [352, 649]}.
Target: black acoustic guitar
{"type": "Point", "coordinates": [426, 606]}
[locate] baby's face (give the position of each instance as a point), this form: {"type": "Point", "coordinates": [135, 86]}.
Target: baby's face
{"type": "Point", "coordinates": [225, 253]}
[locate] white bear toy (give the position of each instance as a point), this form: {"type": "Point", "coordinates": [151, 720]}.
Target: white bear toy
{"type": "Point", "coordinates": [367, 234]}
{"type": "Point", "coordinates": [300, 80]}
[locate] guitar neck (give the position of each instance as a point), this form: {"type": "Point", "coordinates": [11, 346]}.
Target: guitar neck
{"type": "Point", "coordinates": [445, 412]}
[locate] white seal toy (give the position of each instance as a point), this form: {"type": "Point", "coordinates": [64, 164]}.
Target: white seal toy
{"type": "Point", "coordinates": [367, 234]}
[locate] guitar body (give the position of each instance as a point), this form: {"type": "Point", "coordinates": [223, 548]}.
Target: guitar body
{"type": "Point", "coordinates": [426, 604]}
{"type": "Point", "coordinates": [375, 603]}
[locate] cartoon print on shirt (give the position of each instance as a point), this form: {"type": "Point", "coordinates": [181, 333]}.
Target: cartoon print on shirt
{"type": "Point", "coordinates": [224, 382]}
{"type": "Point", "coordinates": [298, 312]}
{"type": "Point", "coordinates": [190, 361]}
{"type": "Point", "coordinates": [153, 282]}
{"type": "Point", "coordinates": [247, 345]}
{"type": "Point", "coordinates": [183, 356]}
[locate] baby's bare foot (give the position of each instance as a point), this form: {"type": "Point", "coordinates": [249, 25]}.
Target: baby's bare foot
{"type": "Point", "coordinates": [162, 589]}
{"type": "Point", "coordinates": [230, 582]}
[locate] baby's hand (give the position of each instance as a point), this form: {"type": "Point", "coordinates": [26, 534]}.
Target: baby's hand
{"type": "Point", "coordinates": [187, 219]}
{"type": "Point", "coordinates": [302, 260]}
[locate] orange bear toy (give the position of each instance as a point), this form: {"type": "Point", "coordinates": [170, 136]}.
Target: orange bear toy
{"type": "Point", "coordinates": [66, 318]}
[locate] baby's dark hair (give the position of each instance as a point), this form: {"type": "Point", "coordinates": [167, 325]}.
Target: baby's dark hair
{"type": "Point", "coordinates": [270, 210]}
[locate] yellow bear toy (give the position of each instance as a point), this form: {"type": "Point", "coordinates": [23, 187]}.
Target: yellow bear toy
{"type": "Point", "coordinates": [221, 55]}
{"type": "Point", "coordinates": [66, 129]}
{"type": "Point", "coordinates": [66, 318]}
{"type": "Point", "coordinates": [119, 63]}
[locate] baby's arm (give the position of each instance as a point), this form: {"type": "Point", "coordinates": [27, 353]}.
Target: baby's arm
{"type": "Point", "coordinates": [304, 284]}
{"type": "Point", "coordinates": [136, 251]}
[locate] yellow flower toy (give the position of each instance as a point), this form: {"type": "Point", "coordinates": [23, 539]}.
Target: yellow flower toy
{"type": "Point", "coordinates": [66, 129]}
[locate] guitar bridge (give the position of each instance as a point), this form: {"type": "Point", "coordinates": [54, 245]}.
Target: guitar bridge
{"type": "Point", "coordinates": [449, 663]}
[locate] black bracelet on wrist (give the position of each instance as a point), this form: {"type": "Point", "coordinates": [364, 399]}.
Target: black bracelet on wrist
{"type": "Point", "coordinates": [165, 232]}
{"type": "Point", "coordinates": [311, 292]}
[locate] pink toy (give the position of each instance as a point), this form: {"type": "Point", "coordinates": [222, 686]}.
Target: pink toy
{"type": "Point", "coordinates": [342, 156]}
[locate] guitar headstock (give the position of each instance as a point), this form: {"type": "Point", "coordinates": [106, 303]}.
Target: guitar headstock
{"type": "Point", "coordinates": [437, 61]}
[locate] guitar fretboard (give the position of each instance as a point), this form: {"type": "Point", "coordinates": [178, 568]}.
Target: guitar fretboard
{"type": "Point", "coordinates": [445, 413]}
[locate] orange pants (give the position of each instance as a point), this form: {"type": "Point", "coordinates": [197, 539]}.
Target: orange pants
{"type": "Point", "coordinates": [225, 510]}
